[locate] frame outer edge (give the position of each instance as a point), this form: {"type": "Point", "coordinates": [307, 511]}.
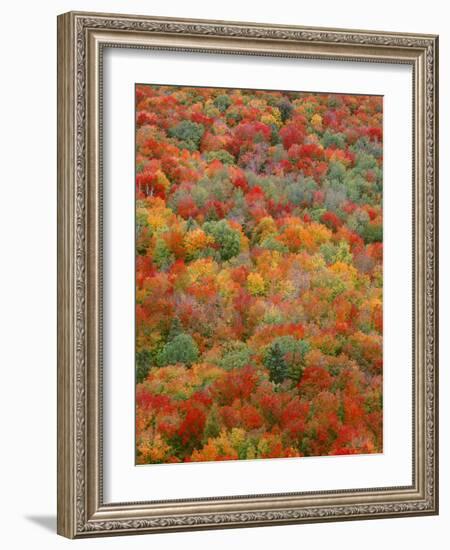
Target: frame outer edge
{"type": "Point", "coordinates": [66, 524]}
{"type": "Point", "coordinates": [74, 479]}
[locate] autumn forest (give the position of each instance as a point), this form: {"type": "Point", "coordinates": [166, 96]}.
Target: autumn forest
{"type": "Point", "coordinates": [258, 274]}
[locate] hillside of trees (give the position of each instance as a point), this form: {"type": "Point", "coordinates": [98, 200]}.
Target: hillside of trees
{"type": "Point", "coordinates": [258, 274]}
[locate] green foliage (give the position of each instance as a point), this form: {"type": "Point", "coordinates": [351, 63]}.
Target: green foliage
{"type": "Point", "coordinates": [330, 139]}
{"type": "Point", "coordinates": [141, 218]}
{"type": "Point", "coordinates": [317, 213]}
{"type": "Point", "coordinates": [301, 190]}
{"type": "Point", "coordinates": [237, 355]}
{"type": "Point", "coordinates": [212, 425]}
{"type": "Point", "coordinates": [189, 133]}
{"type": "Point", "coordinates": [162, 256]}
{"type": "Point", "coordinates": [336, 171]}
{"type": "Point", "coordinates": [143, 364]}
{"type": "Point", "coordinates": [356, 186]}
{"type": "Point", "coordinates": [373, 233]}
{"type": "Point", "coordinates": [275, 363]}
{"type": "Point", "coordinates": [222, 102]}
{"type": "Point", "coordinates": [285, 107]}
{"type": "Point", "coordinates": [233, 116]}
{"type": "Point", "coordinates": [358, 221]}
{"type": "Point", "coordinates": [182, 349]}
{"type": "Point", "coordinates": [228, 239]}
{"type": "Point", "coordinates": [334, 101]}
{"type": "Point", "coordinates": [294, 351]}
{"type": "Point", "coordinates": [365, 161]}
{"type": "Point", "coordinates": [365, 145]}
{"type": "Point", "coordinates": [222, 155]}
{"type": "Point", "coordinates": [175, 329]}
{"type": "Point", "coordinates": [339, 252]}
{"type": "Point", "coordinates": [271, 243]}
{"type": "Point", "coordinates": [335, 197]}
{"type": "Point", "coordinates": [274, 136]}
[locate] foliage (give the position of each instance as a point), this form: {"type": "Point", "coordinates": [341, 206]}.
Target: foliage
{"type": "Point", "coordinates": [276, 364]}
{"type": "Point", "coordinates": [189, 133]}
{"type": "Point", "coordinates": [259, 257]}
{"type": "Point", "coordinates": [228, 239]}
{"type": "Point", "coordinates": [182, 349]}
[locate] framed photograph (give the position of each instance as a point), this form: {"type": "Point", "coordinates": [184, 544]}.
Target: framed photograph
{"type": "Point", "coordinates": [247, 274]}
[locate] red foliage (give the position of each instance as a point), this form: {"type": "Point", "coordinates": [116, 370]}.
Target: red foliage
{"type": "Point", "coordinates": [331, 220]}
{"type": "Point", "coordinates": [192, 427]}
{"type": "Point", "coordinates": [239, 384]}
{"type": "Point", "coordinates": [314, 380]}
{"type": "Point", "coordinates": [291, 134]}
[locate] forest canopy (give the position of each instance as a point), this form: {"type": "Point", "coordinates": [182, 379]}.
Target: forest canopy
{"type": "Point", "coordinates": [258, 274]}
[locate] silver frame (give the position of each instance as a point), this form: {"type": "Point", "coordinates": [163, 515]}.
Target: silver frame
{"type": "Point", "coordinates": [81, 40]}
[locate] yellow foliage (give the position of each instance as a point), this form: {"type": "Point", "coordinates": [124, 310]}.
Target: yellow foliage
{"type": "Point", "coordinates": [346, 271]}
{"type": "Point", "coordinates": [161, 178]}
{"type": "Point", "coordinates": [269, 259]}
{"type": "Point", "coordinates": [255, 284]}
{"type": "Point", "coordinates": [147, 339]}
{"type": "Point", "coordinates": [218, 447]}
{"type": "Point", "coordinates": [181, 381]}
{"type": "Point", "coordinates": [257, 103]}
{"type": "Point", "coordinates": [316, 121]}
{"type": "Point", "coordinates": [225, 283]}
{"type": "Point", "coordinates": [153, 450]}
{"type": "Point", "coordinates": [237, 437]}
{"type": "Point", "coordinates": [199, 269]}
{"type": "Point", "coordinates": [273, 118]}
{"type": "Point", "coordinates": [196, 240]}
{"type": "Point", "coordinates": [159, 216]}
{"type": "Point", "coordinates": [210, 109]}
{"type": "Point", "coordinates": [276, 113]}
{"type": "Point", "coordinates": [287, 288]}
{"type": "Point", "coordinates": [265, 227]}
{"type": "Point", "coordinates": [263, 447]}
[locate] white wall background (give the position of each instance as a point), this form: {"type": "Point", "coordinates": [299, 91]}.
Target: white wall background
{"type": "Point", "coordinates": [28, 272]}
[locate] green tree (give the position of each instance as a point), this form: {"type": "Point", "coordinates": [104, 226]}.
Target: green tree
{"type": "Point", "coordinates": [339, 252]}
{"type": "Point", "coordinates": [228, 239]}
{"type": "Point", "coordinates": [162, 256]}
{"type": "Point", "coordinates": [373, 233]}
{"type": "Point", "coordinates": [212, 425]}
{"type": "Point", "coordinates": [294, 351]}
{"type": "Point", "coordinates": [236, 355]}
{"type": "Point", "coordinates": [176, 328]}
{"type": "Point", "coordinates": [189, 133]}
{"type": "Point", "coordinates": [222, 102]}
{"type": "Point", "coordinates": [337, 140]}
{"type": "Point", "coordinates": [143, 364]}
{"type": "Point", "coordinates": [182, 349]}
{"type": "Point", "coordinates": [224, 156]}
{"type": "Point", "coordinates": [286, 108]}
{"type": "Point", "coordinates": [274, 361]}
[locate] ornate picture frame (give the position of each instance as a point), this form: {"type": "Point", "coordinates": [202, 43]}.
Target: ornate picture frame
{"type": "Point", "coordinates": [82, 39]}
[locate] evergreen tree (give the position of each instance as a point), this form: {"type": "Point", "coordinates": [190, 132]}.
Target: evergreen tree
{"type": "Point", "coordinates": [143, 364]}
{"type": "Point", "coordinates": [275, 362]}
{"type": "Point", "coordinates": [182, 349]}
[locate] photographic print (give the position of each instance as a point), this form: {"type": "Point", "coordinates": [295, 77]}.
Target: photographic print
{"type": "Point", "coordinates": [229, 245]}
{"type": "Point", "coordinates": [259, 279]}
